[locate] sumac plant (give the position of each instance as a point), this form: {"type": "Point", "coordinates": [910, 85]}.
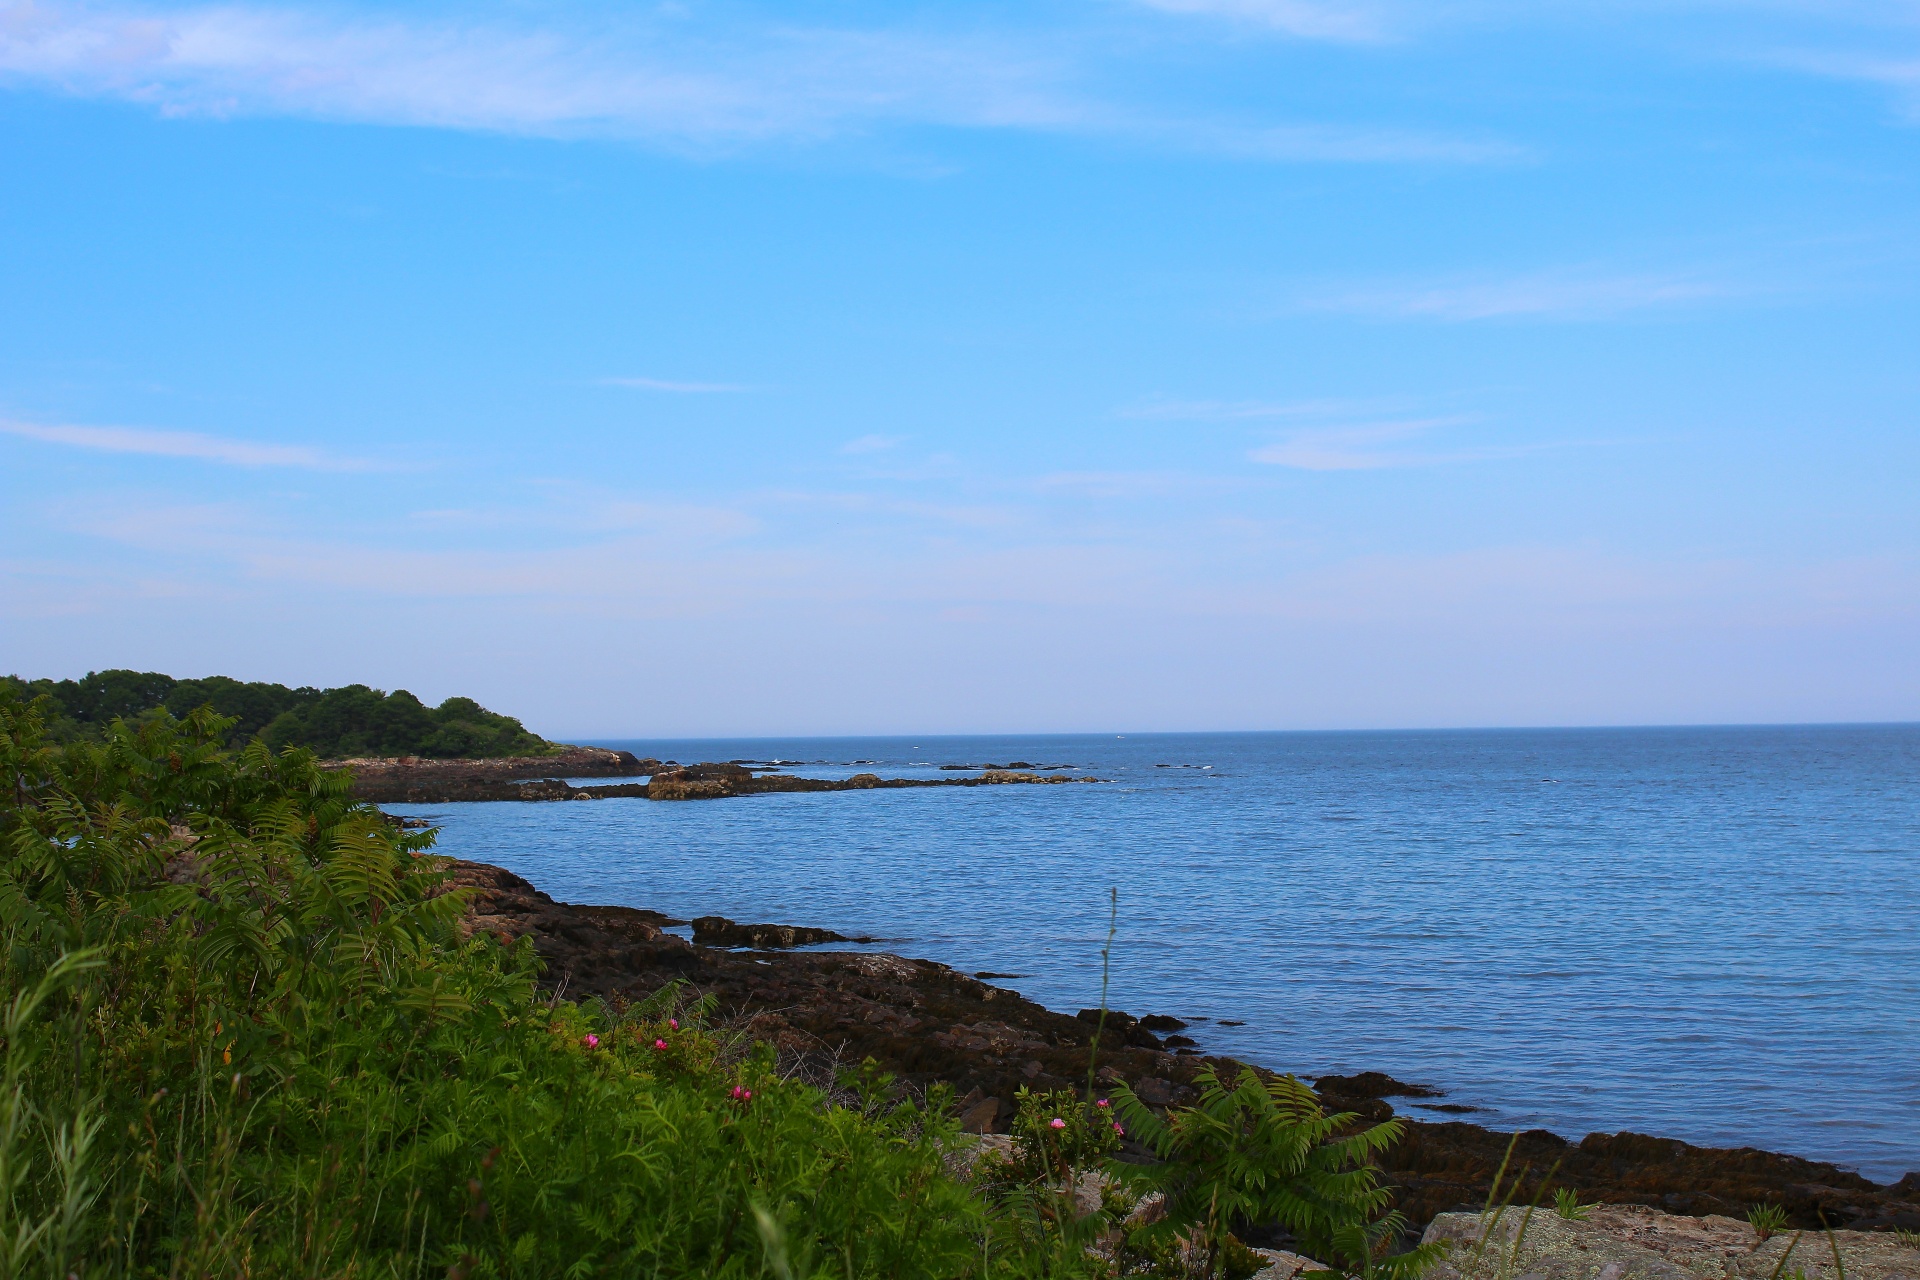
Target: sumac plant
{"type": "Point", "coordinates": [1264, 1150]}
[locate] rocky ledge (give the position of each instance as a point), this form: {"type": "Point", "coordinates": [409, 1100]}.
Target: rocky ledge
{"type": "Point", "coordinates": [928, 1023]}
{"type": "Point", "coordinates": [1629, 1242]}
{"type": "Point", "coordinates": [398, 780]}
{"type": "Point", "coordinates": [452, 781]}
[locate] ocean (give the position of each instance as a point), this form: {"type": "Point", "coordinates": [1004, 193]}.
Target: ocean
{"type": "Point", "coordinates": [1702, 933]}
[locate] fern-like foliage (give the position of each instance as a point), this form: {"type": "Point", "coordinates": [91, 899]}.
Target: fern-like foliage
{"type": "Point", "coordinates": [1264, 1150]}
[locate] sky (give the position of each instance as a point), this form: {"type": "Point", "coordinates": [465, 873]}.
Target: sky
{"type": "Point", "coordinates": [706, 369]}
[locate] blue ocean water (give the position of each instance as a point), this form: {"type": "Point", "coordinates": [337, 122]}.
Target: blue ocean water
{"type": "Point", "coordinates": [1710, 934]}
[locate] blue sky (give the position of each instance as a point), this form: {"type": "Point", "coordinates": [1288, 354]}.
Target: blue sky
{"type": "Point", "coordinates": [1131, 364]}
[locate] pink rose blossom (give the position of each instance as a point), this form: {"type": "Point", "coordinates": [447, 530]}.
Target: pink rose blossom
{"type": "Point", "coordinates": [1102, 1103]}
{"type": "Point", "coordinates": [591, 1041]}
{"type": "Point", "coordinates": [1117, 1129]}
{"type": "Point", "coordinates": [659, 1044]}
{"type": "Point", "coordinates": [673, 1023]}
{"type": "Point", "coordinates": [1057, 1123]}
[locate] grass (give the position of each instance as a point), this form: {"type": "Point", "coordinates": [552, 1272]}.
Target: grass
{"type": "Point", "coordinates": [1566, 1203]}
{"type": "Point", "coordinates": [245, 1038]}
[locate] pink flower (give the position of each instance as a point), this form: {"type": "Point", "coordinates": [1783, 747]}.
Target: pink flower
{"type": "Point", "coordinates": [659, 1044]}
{"type": "Point", "coordinates": [1057, 1123]}
{"type": "Point", "coordinates": [673, 1023]}
{"type": "Point", "coordinates": [591, 1041]}
{"type": "Point", "coordinates": [741, 1094]}
{"type": "Point", "coordinates": [1102, 1103]}
{"type": "Point", "coordinates": [1117, 1129]}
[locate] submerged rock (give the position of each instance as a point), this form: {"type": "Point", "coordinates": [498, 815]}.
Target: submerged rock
{"type": "Point", "coordinates": [718, 931]}
{"type": "Point", "coordinates": [1371, 1084]}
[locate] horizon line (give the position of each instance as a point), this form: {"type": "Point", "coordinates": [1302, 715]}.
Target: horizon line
{"type": "Point", "coordinates": [605, 741]}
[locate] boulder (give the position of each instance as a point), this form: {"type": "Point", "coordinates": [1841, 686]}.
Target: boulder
{"type": "Point", "coordinates": [981, 1116]}
{"type": "Point", "coordinates": [1282, 1265]}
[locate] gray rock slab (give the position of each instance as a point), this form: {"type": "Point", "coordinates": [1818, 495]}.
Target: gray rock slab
{"type": "Point", "coordinates": [1627, 1242]}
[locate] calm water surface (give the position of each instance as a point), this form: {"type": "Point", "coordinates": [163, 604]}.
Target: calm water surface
{"type": "Point", "coordinates": [1709, 934]}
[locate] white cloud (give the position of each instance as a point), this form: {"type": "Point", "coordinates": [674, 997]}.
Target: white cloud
{"type": "Point", "coordinates": [686, 388]}
{"type": "Point", "coordinates": [1301, 18]}
{"type": "Point", "coordinates": [1363, 447]}
{"type": "Point", "coordinates": [644, 77]}
{"type": "Point", "coordinates": [872, 444]}
{"type": "Point", "coordinates": [1899, 73]}
{"type": "Point", "coordinates": [1241, 410]}
{"type": "Point", "coordinates": [635, 78]}
{"type": "Point", "coordinates": [182, 444]}
{"type": "Point", "coordinates": [1333, 144]}
{"type": "Point", "coordinates": [1571, 295]}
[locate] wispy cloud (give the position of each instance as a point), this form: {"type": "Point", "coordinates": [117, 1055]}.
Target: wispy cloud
{"type": "Point", "coordinates": [183, 444]}
{"type": "Point", "coordinates": [1301, 18]}
{"type": "Point", "coordinates": [1365, 446]}
{"type": "Point", "coordinates": [1330, 144]}
{"type": "Point", "coordinates": [1248, 410]}
{"type": "Point", "coordinates": [661, 384]}
{"type": "Point", "coordinates": [1559, 295]}
{"type": "Point", "coordinates": [1900, 73]}
{"type": "Point", "coordinates": [656, 78]}
{"type": "Point", "coordinates": [1132, 484]}
{"type": "Point", "coordinates": [638, 77]}
{"type": "Point", "coordinates": [872, 444]}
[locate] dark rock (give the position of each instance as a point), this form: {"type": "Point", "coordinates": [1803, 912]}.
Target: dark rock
{"type": "Point", "coordinates": [414, 780]}
{"type": "Point", "coordinates": [718, 931]}
{"type": "Point", "coordinates": [710, 781]}
{"type": "Point", "coordinates": [926, 1023]}
{"type": "Point", "coordinates": [1179, 1042]}
{"type": "Point", "coordinates": [1122, 1026]}
{"type": "Point", "coordinates": [1154, 1091]}
{"type": "Point", "coordinates": [1371, 1084]}
{"type": "Point", "coordinates": [1229, 1022]}
{"type": "Point", "coordinates": [1162, 1022]}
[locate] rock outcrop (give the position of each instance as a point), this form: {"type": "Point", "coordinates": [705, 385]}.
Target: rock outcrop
{"type": "Point", "coordinates": [1451, 1164]}
{"type": "Point", "coordinates": [418, 780]}
{"type": "Point", "coordinates": [455, 781]}
{"type": "Point", "coordinates": [718, 931]}
{"type": "Point", "coordinates": [928, 1023]}
{"type": "Point", "coordinates": [1629, 1242]}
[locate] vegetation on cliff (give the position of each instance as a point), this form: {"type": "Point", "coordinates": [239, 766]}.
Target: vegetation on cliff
{"type": "Point", "coordinates": [332, 723]}
{"type": "Point", "coordinates": [244, 1036]}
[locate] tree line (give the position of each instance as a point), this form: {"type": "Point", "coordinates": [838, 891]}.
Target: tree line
{"type": "Point", "coordinates": [353, 720]}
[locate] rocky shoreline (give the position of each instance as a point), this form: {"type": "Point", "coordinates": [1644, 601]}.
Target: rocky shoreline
{"type": "Point", "coordinates": [415, 781]}
{"type": "Point", "coordinates": [928, 1023]}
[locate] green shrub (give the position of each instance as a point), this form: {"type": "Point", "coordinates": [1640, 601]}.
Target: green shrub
{"type": "Point", "coordinates": [255, 1044]}
{"type": "Point", "coordinates": [244, 1037]}
{"type": "Point", "coordinates": [1057, 1133]}
{"type": "Point", "coordinates": [1265, 1151]}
